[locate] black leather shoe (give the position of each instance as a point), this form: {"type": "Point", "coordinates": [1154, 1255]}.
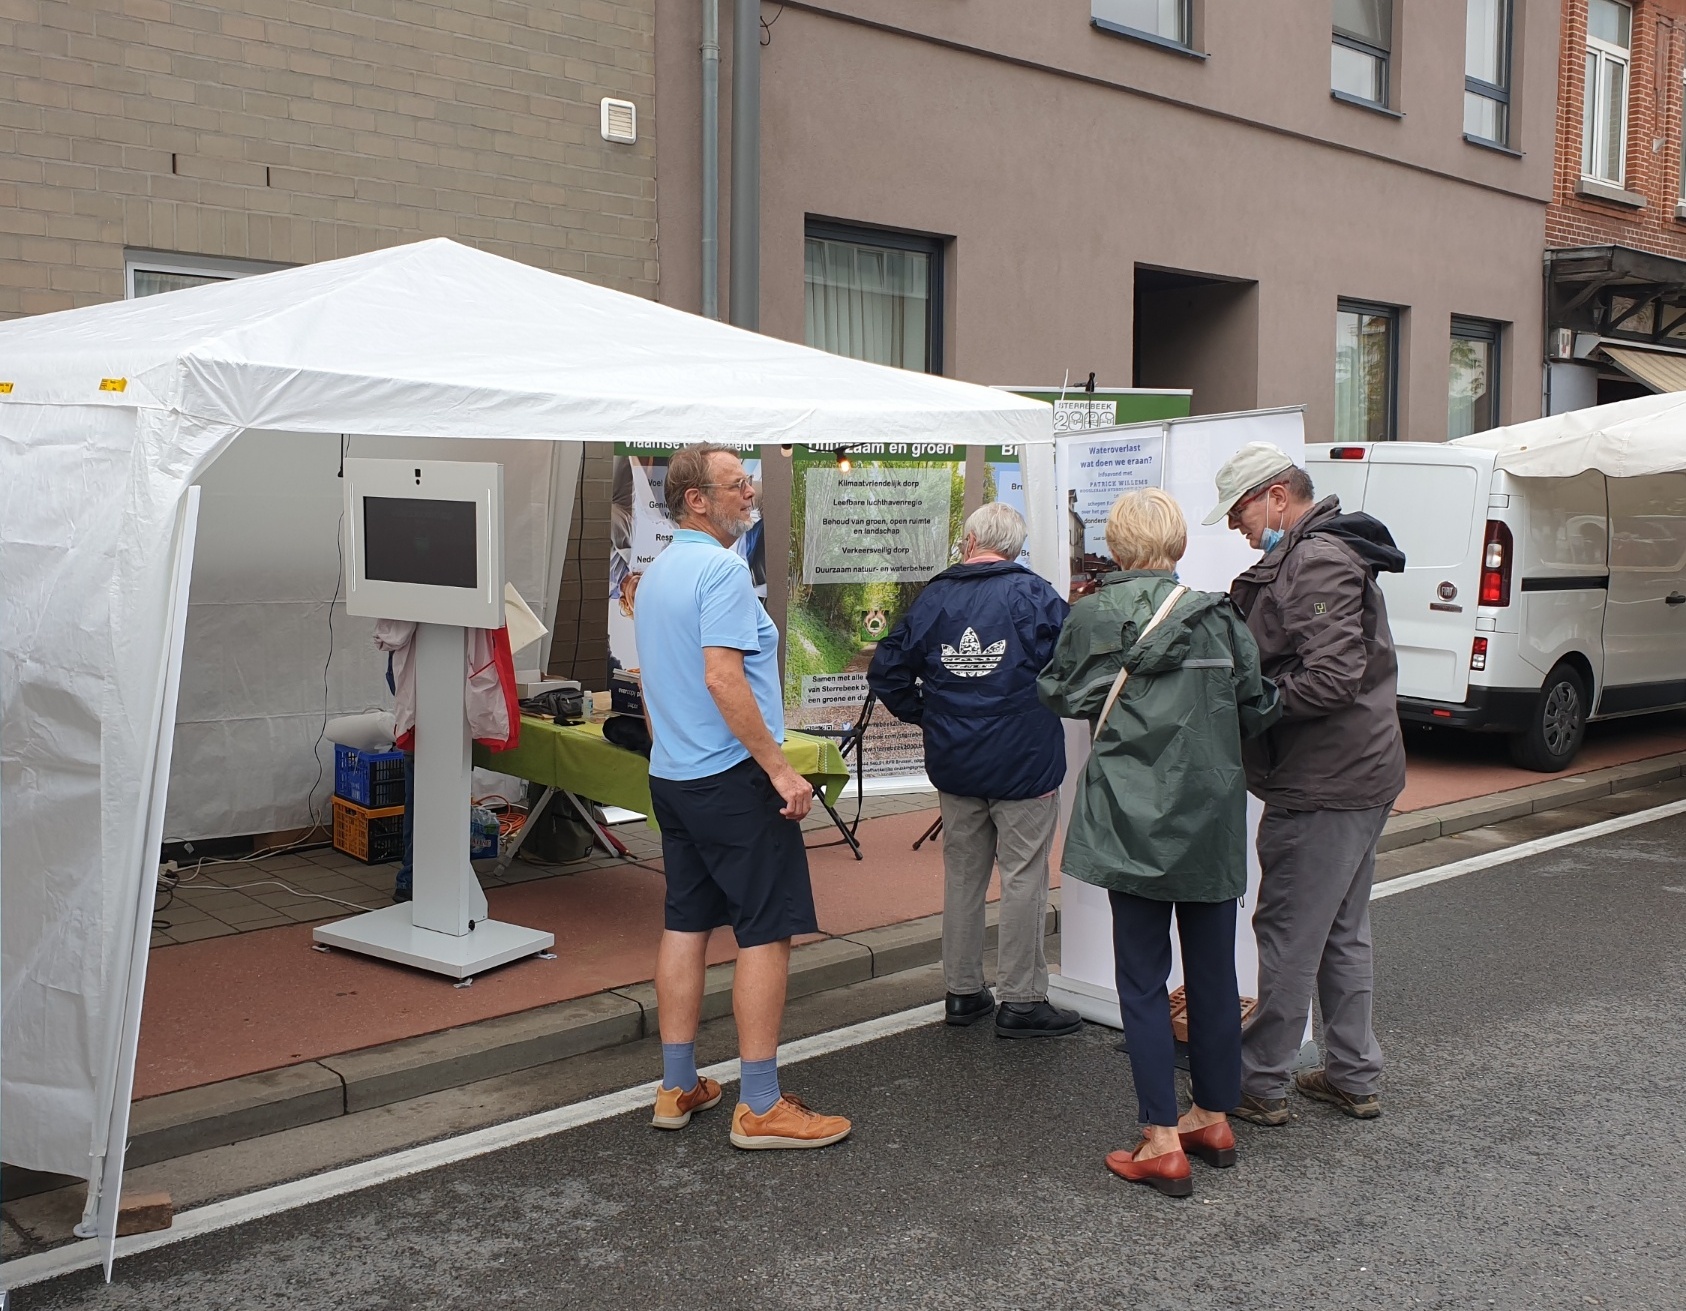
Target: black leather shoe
{"type": "Point", "coordinates": [968, 1007]}
{"type": "Point", "coordinates": [1034, 1019]}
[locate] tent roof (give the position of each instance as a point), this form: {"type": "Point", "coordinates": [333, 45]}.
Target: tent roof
{"type": "Point", "coordinates": [1627, 439]}
{"type": "Point", "coordinates": [439, 339]}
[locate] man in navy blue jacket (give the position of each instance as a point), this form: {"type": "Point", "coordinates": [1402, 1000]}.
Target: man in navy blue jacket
{"type": "Point", "coordinates": [963, 666]}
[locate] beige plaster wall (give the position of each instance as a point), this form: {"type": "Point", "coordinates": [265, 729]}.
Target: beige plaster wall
{"type": "Point", "coordinates": [1058, 158]}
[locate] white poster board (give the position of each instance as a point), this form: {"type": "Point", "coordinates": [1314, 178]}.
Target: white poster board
{"type": "Point", "coordinates": [1193, 451]}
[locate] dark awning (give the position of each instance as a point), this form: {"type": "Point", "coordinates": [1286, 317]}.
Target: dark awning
{"type": "Point", "coordinates": [1615, 291]}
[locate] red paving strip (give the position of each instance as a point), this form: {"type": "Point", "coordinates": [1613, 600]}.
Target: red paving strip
{"type": "Point", "coordinates": [1447, 766]}
{"type": "Point", "coordinates": [231, 1006]}
{"type": "Point", "coordinates": [237, 1005]}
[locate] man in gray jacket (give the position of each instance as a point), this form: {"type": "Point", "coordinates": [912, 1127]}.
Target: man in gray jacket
{"type": "Point", "coordinates": [1328, 774]}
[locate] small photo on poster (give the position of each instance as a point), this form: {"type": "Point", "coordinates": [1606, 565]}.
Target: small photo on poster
{"type": "Point", "coordinates": [639, 530]}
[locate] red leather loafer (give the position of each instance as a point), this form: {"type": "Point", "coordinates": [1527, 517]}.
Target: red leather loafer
{"type": "Point", "coordinates": [1168, 1173]}
{"type": "Point", "coordinates": [1215, 1144]}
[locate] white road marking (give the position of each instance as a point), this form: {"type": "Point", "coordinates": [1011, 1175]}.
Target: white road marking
{"type": "Point", "coordinates": [430, 1156]}
{"type": "Point", "coordinates": [1522, 850]}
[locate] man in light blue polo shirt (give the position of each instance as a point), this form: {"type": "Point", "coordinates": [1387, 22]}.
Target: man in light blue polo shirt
{"type": "Point", "coordinates": [729, 804]}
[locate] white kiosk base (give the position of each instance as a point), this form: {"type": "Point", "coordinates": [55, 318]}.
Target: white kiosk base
{"type": "Point", "coordinates": [445, 929]}
{"type": "Point", "coordinates": [391, 934]}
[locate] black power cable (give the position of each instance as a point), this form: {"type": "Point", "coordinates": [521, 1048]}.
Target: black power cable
{"type": "Point", "coordinates": [339, 582]}
{"type": "Point", "coordinates": [579, 565]}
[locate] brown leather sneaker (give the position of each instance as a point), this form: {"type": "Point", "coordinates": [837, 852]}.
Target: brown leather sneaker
{"type": "Point", "coordinates": [788, 1124]}
{"type": "Point", "coordinates": [1271, 1112]}
{"type": "Point", "coordinates": [1315, 1084]}
{"type": "Point", "coordinates": [674, 1107]}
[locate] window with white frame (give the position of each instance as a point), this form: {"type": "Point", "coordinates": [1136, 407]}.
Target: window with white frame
{"type": "Point", "coordinates": [1609, 36]}
{"type": "Point", "coordinates": [147, 273]}
{"type": "Point", "coordinates": [1487, 70]}
{"type": "Point", "coordinates": [1683, 143]}
{"type": "Point", "coordinates": [1169, 20]}
{"type": "Point", "coordinates": [1361, 46]}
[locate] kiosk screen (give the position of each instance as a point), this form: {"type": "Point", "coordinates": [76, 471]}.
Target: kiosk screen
{"type": "Point", "coordinates": [417, 541]}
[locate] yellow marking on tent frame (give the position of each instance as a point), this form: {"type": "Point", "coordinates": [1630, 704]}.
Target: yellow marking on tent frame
{"type": "Point", "coordinates": [5, 389]}
{"type": "Point", "coordinates": [114, 384]}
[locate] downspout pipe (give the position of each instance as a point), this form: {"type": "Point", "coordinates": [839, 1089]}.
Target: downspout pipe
{"type": "Point", "coordinates": [746, 165]}
{"type": "Point", "coordinates": [711, 158]}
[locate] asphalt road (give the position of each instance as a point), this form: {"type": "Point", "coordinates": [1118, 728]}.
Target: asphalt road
{"type": "Point", "coordinates": [1532, 1154]}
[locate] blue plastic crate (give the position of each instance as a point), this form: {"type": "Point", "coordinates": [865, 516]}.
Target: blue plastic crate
{"type": "Point", "coordinates": [371, 779]}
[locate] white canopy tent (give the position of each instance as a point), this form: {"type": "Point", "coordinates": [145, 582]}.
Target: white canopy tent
{"type": "Point", "coordinates": [108, 418]}
{"type": "Point", "coordinates": [1626, 439]}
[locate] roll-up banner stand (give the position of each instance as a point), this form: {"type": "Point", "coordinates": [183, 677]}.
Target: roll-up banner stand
{"type": "Point", "coordinates": [1182, 456]}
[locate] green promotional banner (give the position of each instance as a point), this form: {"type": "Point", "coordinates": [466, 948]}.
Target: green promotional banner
{"type": "Point", "coordinates": [870, 525]}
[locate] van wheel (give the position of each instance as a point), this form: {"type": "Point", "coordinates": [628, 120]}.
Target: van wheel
{"type": "Point", "coordinates": [1554, 735]}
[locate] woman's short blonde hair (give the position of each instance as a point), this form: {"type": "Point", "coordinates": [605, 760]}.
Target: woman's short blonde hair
{"type": "Point", "coordinates": [1146, 527]}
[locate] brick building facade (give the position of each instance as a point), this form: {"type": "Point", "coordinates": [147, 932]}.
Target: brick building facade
{"type": "Point", "coordinates": [214, 139]}
{"type": "Point", "coordinates": [1644, 209]}
{"type": "Point", "coordinates": [1616, 225]}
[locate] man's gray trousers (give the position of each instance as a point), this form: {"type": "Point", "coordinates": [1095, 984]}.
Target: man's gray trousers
{"type": "Point", "coordinates": [980, 835]}
{"type": "Point", "coordinates": [1312, 923]}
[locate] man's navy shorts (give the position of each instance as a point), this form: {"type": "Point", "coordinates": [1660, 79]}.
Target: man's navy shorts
{"type": "Point", "coordinates": [731, 858]}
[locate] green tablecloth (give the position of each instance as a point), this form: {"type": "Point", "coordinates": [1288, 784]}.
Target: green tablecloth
{"type": "Point", "coordinates": [576, 758]}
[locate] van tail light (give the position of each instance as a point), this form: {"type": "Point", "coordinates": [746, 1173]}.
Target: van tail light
{"type": "Point", "coordinates": [1497, 553]}
{"type": "Point", "coordinates": [1478, 654]}
{"type": "Point", "coordinates": [1346, 453]}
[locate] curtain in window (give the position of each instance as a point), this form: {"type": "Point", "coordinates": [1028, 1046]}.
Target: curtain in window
{"type": "Point", "coordinates": [1369, 21]}
{"type": "Point", "coordinates": [1160, 17]}
{"type": "Point", "coordinates": [149, 282]}
{"type": "Point", "coordinates": [869, 302]}
{"type": "Point", "coordinates": [1484, 41]}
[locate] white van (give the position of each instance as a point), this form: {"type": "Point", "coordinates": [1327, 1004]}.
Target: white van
{"type": "Point", "coordinates": [1528, 606]}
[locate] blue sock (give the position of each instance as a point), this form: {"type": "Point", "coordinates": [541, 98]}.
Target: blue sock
{"type": "Point", "coordinates": [679, 1065]}
{"type": "Point", "coordinates": [760, 1085]}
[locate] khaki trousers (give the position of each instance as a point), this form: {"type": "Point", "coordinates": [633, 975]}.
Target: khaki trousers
{"type": "Point", "coordinates": [980, 835]}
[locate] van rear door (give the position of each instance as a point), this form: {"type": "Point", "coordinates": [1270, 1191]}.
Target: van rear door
{"type": "Point", "coordinates": [1433, 498]}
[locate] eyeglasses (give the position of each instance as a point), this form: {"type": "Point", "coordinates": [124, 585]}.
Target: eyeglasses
{"type": "Point", "coordinates": [1244, 502]}
{"type": "Point", "coordinates": [740, 485]}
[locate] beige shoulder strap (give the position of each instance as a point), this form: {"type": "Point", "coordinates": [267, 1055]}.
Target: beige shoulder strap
{"type": "Point", "coordinates": [1177, 593]}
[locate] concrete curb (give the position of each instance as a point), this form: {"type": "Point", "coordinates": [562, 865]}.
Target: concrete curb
{"type": "Point", "coordinates": [1460, 816]}
{"type": "Point", "coordinates": [196, 1119]}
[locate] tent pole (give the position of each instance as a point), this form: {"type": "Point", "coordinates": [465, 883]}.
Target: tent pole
{"type": "Point", "coordinates": [746, 164]}
{"type": "Point", "coordinates": [711, 159]}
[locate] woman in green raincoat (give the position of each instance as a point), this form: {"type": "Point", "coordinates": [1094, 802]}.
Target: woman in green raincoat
{"type": "Point", "coordinates": [1170, 679]}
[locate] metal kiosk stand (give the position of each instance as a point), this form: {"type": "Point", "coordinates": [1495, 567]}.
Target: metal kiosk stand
{"type": "Point", "coordinates": [424, 542]}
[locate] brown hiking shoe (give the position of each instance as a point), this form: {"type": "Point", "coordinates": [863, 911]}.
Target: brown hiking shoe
{"type": "Point", "coordinates": [1271, 1112]}
{"type": "Point", "coordinates": [674, 1106]}
{"type": "Point", "coordinates": [788, 1124]}
{"type": "Point", "coordinates": [1315, 1084]}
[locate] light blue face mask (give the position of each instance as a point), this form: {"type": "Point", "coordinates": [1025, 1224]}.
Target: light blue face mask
{"type": "Point", "coordinates": [1270, 539]}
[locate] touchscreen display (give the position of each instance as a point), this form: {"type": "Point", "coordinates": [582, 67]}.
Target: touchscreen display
{"type": "Point", "coordinates": [416, 541]}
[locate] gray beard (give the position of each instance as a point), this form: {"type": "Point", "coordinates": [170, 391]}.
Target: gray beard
{"type": "Point", "coordinates": [730, 526]}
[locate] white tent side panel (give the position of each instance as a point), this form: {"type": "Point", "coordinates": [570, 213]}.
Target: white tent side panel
{"type": "Point", "coordinates": [262, 670]}
{"type": "Point", "coordinates": [88, 498]}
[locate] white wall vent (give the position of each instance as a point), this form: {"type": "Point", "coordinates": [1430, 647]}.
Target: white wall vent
{"type": "Point", "coordinates": [619, 120]}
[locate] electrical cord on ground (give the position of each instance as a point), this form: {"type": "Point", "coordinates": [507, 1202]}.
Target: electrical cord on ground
{"type": "Point", "coordinates": [285, 887]}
